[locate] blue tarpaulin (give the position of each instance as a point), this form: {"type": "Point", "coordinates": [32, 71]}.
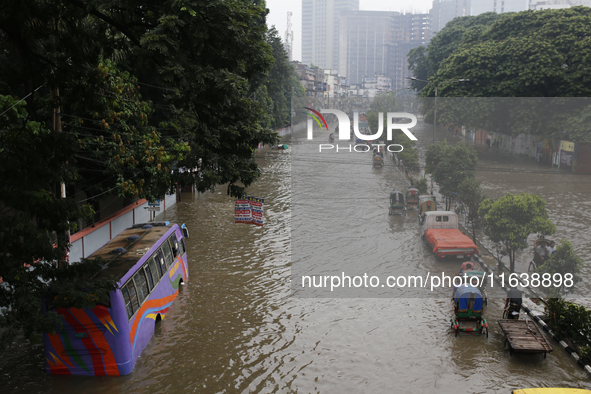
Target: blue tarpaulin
{"type": "Point", "coordinates": [462, 297]}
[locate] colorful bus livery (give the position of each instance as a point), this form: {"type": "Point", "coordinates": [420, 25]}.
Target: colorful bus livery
{"type": "Point", "coordinates": [149, 262]}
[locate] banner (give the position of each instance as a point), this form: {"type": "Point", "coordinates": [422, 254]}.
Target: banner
{"type": "Point", "coordinates": [249, 210]}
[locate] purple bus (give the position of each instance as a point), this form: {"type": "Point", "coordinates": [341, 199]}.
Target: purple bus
{"type": "Point", "coordinates": [149, 262]}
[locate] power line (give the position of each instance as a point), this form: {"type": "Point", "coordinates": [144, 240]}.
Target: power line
{"type": "Point", "coordinates": [21, 100]}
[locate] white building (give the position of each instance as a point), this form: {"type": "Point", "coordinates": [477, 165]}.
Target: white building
{"type": "Point", "coordinates": [320, 30]}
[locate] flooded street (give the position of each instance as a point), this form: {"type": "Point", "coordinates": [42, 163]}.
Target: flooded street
{"type": "Point", "coordinates": [236, 327]}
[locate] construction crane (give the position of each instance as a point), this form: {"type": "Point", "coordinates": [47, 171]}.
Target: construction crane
{"type": "Point", "coordinates": [289, 37]}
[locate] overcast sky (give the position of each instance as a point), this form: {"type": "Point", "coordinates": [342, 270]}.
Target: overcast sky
{"type": "Point", "coordinates": [278, 15]}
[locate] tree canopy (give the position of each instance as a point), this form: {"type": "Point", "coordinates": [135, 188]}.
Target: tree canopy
{"type": "Point", "coordinates": [116, 98]}
{"type": "Point", "coordinates": [450, 166]}
{"type": "Point", "coordinates": [509, 220]}
{"type": "Point", "coordinates": [524, 54]}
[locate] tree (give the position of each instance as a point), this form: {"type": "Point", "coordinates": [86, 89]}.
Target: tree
{"type": "Point", "coordinates": [509, 220]}
{"type": "Point", "coordinates": [470, 194]}
{"type": "Point", "coordinates": [33, 219]}
{"type": "Point", "coordinates": [522, 54]}
{"type": "Point", "coordinates": [425, 62]}
{"type": "Point", "coordinates": [563, 261]}
{"type": "Point", "coordinates": [194, 63]}
{"type": "Point", "coordinates": [450, 166]}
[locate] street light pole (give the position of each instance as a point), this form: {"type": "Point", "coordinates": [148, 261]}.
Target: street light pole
{"type": "Point", "coordinates": [435, 115]}
{"type": "Point", "coordinates": [435, 106]}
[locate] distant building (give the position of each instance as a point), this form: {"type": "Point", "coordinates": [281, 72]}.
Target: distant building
{"type": "Point", "coordinates": [444, 11]}
{"type": "Point", "coordinates": [551, 4]}
{"type": "Point", "coordinates": [320, 30]}
{"type": "Point", "coordinates": [407, 32]}
{"type": "Point", "coordinates": [363, 43]}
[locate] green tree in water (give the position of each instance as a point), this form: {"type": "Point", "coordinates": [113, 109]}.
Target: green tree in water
{"type": "Point", "coordinates": [509, 220]}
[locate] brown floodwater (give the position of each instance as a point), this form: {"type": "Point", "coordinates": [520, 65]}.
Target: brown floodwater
{"type": "Point", "coordinates": [237, 327]}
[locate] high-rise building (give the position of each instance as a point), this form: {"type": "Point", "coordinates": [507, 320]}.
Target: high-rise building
{"type": "Point", "coordinates": [320, 30]}
{"type": "Point", "coordinates": [444, 11]}
{"type": "Point", "coordinates": [407, 32]}
{"type": "Point", "coordinates": [363, 43]}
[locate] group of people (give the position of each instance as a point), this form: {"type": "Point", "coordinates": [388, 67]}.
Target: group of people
{"type": "Point", "coordinates": [546, 250]}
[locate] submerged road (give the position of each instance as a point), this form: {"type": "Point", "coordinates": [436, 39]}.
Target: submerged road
{"type": "Point", "coordinates": [241, 324]}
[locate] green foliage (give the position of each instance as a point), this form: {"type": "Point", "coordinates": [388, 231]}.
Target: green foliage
{"type": "Point", "coordinates": [563, 261]}
{"type": "Point", "coordinates": [409, 157]}
{"type": "Point", "coordinates": [143, 91]}
{"type": "Point", "coordinates": [32, 212]}
{"type": "Point", "coordinates": [509, 220]}
{"type": "Point", "coordinates": [571, 321]}
{"type": "Point", "coordinates": [470, 195]}
{"type": "Point", "coordinates": [450, 166]}
{"type": "Point", "coordinates": [423, 186]}
{"type": "Point", "coordinates": [274, 89]}
{"type": "Point", "coordinates": [522, 54]}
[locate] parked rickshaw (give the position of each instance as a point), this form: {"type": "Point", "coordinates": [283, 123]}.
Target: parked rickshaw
{"type": "Point", "coordinates": [538, 259]}
{"type": "Point", "coordinates": [468, 302]}
{"type": "Point", "coordinates": [378, 161]}
{"type": "Point", "coordinates": [397, 206]}
{"type": "Point", "coordinates": [426, 203]}
{"type": "Point", "coordinates": [474, 276]}
{"type": "Point", "coordinates": [412, 198]}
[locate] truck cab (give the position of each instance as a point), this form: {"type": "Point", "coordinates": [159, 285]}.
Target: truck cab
{"type": "Point", "coordinates": [439, 219]}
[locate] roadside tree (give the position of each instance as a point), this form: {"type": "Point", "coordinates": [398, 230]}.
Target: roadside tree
{"type": "Point", "coordinates": [450, 166]}
{"type": "Point", "coordinates": [470, 195]}
{"type": "Point", "coordinates": [564, 261]}
{"type": "Point", "coordinates": [509, 220]}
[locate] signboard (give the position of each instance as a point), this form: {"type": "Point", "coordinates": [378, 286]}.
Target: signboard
{"type": "Point", "coordinates": [567, 146]}
{"type": "Point", "coordinates": [242, 211]}
{"type": "Point", "coordinates": [249, 210]}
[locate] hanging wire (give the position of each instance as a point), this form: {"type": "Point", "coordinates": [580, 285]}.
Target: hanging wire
{"type": "Point", "coordinates": [40, 86]}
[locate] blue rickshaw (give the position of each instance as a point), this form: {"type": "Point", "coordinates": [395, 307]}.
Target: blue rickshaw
{"type": "Point", "coordinates": [468, 303]}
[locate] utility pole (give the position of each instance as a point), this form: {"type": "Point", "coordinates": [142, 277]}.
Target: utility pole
{"type": "Point", "coordinates": [57, 127]}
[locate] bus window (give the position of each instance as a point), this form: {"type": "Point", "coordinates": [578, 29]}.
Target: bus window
{"type": "Point", "coordinates": [127, 301]}
{"type": "Point", "coordinates": [134, 305]}
{"type": "Point", "coordinates": [160, 262]}
{"type": "Point", "coordinates": [181, 247]}
{"type": "Point", "coordinates": [146, 267]}
{"type": "Point", "coordinates": [154, 270]}
{"type": "Point", "coordinates": [142, 286]}
{"type": "Point", "coordinates": [168, 259]}
{"type": "Point", "coordinates": [175, 246]}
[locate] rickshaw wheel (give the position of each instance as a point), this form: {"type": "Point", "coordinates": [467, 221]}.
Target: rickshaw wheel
{"type": "Point", "coordinates": [505, 314]}
{"type": "Point", "coordinates": [485, 331]}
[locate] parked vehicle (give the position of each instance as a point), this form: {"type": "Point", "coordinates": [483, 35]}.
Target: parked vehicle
{"type": "Point", "coordinates": [440, 231]}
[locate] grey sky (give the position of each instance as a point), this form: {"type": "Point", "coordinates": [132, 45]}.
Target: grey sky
{"type": "Point", "coordinates": [278, 15]}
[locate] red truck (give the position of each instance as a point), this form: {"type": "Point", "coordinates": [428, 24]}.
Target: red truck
{"type": "Point", "coordinates": [440, 231]}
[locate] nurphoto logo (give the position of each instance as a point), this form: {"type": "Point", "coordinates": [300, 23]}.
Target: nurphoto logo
{"type": "Point", "coordinates": [345, 129]}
